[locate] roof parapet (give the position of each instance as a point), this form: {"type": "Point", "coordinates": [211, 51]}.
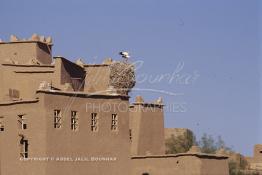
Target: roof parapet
{"type": "Point", "coordinates": [13, 38]}
{"type": "Point", "coordinates": [49, 40]}
{"type": "Point", "coordinates": [33, 38]}
{"type": "Point", "coordinates": [82, 94]}
{"type": "Point", "coordinates": [140, 101]}
{"type": "Point", "coordinates": [80, 62]}
{"type": "Point", "coordinates": [222, 152]}
{"type": "Point", "coordinates": [195, 149]}
{"type": "Point", "coordinates": [108, 61]}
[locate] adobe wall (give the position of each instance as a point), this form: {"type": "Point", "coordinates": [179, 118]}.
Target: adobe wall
{"type": "Point", "coordinates": [27, 78]}
{"type": "Point", "coordinates": [1, 84]}
{"type": "Point", "coordinates": [44, 53]}
{"type": "Point", "coordinates": [23, 78]}
{"type": "Point", "coordinates": [25, 52]}
{"type": "Point", "coordinates": [214, 166]}
{"type": "Point", "coordinates": [97, 78]}
{"type": "Point", "coordinates": [64, 142]}
{"type": "Point", "coordinates": [68, 72]}
{"type": "Point", "coordinates": [180, 164]}
{"type": "Point", "coordinates": [47, 141]}
{"type": "Point", "coordinates": [10, 139]}
{"type": "Point", "coordinates": [147, 127]}
{"type": "Point", "coordinates": [258, 152]}
{"type": "Point", "coordinates": [255, 162]}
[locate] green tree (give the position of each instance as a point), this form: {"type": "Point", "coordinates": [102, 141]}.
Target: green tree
{"type": "Point", "coordinates": [207, 144]}
{"type": "Point", "coordinates": [181, 143]}
{"type": "Point", "coordinates": [210, 145]}
{"type": "Point", "coordinates": [239, 167]}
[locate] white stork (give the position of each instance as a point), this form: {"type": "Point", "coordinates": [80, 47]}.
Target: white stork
{"type": "Point", "coordinates": [124, 54]}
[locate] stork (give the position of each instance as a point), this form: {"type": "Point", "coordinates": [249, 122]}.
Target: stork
{"type": "Point", "coordinates": [124, 55]}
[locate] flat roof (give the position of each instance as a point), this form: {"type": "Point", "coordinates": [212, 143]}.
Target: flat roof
{"type": "Point", "coordinates": [147, 105]}
{"type": "Point", "coordinates": [96, 65]}
{"type": "Point", "coordinates": [22, 101]}
{"type": "Point", "coordinates": [200, 155]}
{"type": "Point", "coordinates": [21, 41]}
{"type": "Point", "coordinates": [83, 94]}
{"type": "Point", "coordinates": [27, 65]}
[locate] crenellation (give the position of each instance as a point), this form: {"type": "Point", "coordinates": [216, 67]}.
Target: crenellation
{"type": "Point", "coordinates": [35, 37]}
{"type": "Point", "coordinates": [49, 40]}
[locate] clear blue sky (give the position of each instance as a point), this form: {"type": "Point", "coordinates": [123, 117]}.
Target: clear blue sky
{"type": "Point", "coordinates": [219, 40]}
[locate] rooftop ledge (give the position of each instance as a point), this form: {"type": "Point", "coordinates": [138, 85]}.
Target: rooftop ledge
{"type": "Point", "coordinates": [96, 65]}
{"type": "Point", "coordinates": [26, 41]}
{"type": "Point", "coordinates": [22, 101]}
{"type": "Point", "coordinates": [147, 105]}
{"type": "Point", "coordinates": [83, 94]}
{"type": "Point", "coordinates": [199, 155]}
{"type": "Point", "coordinates": [27, 65]}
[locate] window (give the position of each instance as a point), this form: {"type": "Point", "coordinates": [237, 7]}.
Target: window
{"type": "Point", "coordinates": [21, 122]}
{"type": "Point", "coordinates": [130, 135]}
{"type": "Point", "coordinates": [2, 127]}
{"type": "Point", "coordinates": [74, 120]}
{"type": "Point", "coordinates": [24, 147]}
{"type": "Point", "coordinates": [114, 122]}
{"type": "Point", "coordinates": [57, 119]}
{"type": "Point", "coordinates": [94, 122]}
{"type": "Point", "coordinates": [13, 93]}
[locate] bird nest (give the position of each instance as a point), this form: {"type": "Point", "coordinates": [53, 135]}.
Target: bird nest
{"type": "Point", "coordinates": [122, 76]}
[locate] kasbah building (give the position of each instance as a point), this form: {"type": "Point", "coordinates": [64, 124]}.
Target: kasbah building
{"type": "Point", "coordinates": [53, 119]}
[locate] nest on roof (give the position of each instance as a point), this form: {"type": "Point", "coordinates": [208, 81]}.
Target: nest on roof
{"type": "Point", "coordinates": [122, 76]}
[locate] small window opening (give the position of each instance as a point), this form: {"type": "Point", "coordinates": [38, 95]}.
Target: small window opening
{"type": "Point", "coordinates": [22, 122]}
{"type": "Point", "coordinates": [24, 147]}
{"type": "Point", "coordinates": [130, 135]}
{"type": "Point", "coordinates": [57, 119]}
{"type": "Point", "coordinates": [2, 127]}
{"type": "Point", "coordinates": [94, 122]}
{"type": "Point", "coordinates": [74, 120]}
{"type": "Point", "coordinates": [114, 124]}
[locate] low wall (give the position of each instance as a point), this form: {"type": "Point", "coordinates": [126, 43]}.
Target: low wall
{"type": "Point", "coordinates": [180, 164]}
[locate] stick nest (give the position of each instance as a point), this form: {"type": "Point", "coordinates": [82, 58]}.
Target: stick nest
{"type": "Point", "coordinates": [122, 76]}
